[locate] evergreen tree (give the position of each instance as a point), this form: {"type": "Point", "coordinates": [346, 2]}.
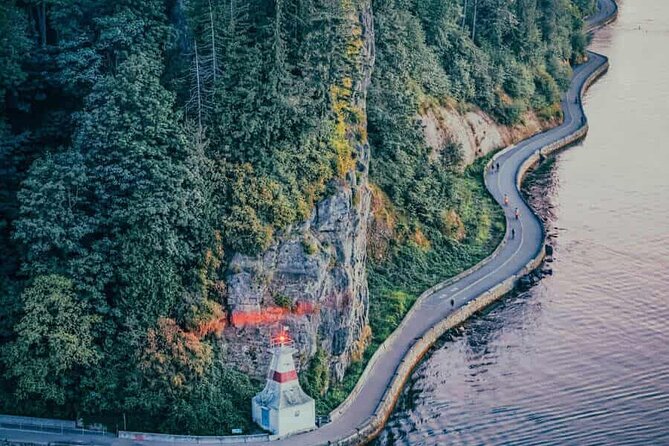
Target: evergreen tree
{"type": "Point", "coordinates": [54, 344]}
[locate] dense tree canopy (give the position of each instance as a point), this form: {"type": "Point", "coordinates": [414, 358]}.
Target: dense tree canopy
{"type": "Point", "coordinates": [142, 143]}
{"type": "Point", "coordinates": [54, 342]}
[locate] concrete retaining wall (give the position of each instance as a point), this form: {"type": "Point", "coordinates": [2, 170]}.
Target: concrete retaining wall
{"type": "Point", "coordinates": [43, 422]}
{"type": "Point", "coordinates": [193, 439]}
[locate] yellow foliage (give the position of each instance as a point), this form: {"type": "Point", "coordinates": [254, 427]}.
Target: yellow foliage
{"type": "Point", "coordinates": [355, 43]}
{"type": "Point", "coordinates": [452, 226]}
{"type": "Point", "coordinates": [484, 228]}
{"type": "Point", "coordinates": [359, 346]}
{"type": "Point", "coordinates": [174, 355]}
{"type": "Point", "coordinates": [340, 96]}
{"type": "Point", "coordinates": [382, 224]}
{"type": "Point", "coordinates": [504, 97]}
{"type": "Point", "coordinates": [303, 207]}
{"type": "Point", "coordinates": [419, 238]}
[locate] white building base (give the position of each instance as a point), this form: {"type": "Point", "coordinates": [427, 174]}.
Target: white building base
{"type": "Point", "coordinates": [285, 421]}
{"type": "Point", "coordinates": [282, 407]}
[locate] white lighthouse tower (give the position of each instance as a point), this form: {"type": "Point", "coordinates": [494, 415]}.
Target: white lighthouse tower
{"type": "Point", "coordinates": [282, 407]}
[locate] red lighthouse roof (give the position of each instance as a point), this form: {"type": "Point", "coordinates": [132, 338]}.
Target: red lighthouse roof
{"type": "Point", "coordinates": [281, 339]}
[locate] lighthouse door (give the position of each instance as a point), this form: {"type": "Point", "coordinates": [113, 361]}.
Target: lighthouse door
{"type": "Point", "coordinates": [264, 413]}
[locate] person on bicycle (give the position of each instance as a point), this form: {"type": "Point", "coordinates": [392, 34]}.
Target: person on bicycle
{"type": "Point", "coordinates": [517, 213]}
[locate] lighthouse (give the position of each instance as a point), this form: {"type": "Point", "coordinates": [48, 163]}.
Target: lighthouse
{"type": "Point", "coordinates": [282, 407]}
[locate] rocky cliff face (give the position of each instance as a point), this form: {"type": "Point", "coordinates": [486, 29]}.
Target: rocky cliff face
{"type": "Point", "coordinates": [473, 130]}
{"type": "Point", "coordinates": [313, 280]}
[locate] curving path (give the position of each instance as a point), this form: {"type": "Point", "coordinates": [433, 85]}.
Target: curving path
{"type": "Point", "coordinates": [605, 13]}
{"type": "Point", "coordinates": [510, 259]}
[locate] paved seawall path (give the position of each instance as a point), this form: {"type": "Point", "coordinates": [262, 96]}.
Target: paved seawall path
{"type": "Point", "coordinates": [444, 306]}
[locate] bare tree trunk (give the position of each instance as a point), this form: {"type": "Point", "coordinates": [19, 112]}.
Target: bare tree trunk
{"type": "Point", "coordinates": [214, 57]}
{"type": "Point", "coordinates": [476, 3]}
{"type": "Point", "coordinates": [33, 19]}
{"type": "Point", "coordinates": [41, 19]}
{"type": "Point", "coordinates": [464, 15]}
{"type": "Point", "coordinates": [198, 90]}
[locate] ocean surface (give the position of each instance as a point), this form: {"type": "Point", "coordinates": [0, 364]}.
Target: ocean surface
{"type": "Point", "coordinates": [582, 358]}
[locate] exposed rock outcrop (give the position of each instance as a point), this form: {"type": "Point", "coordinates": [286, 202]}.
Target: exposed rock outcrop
{"type": "Point", "coordinates": [313, 279]}
{"type": "Point", "coordinates": [473, 130]}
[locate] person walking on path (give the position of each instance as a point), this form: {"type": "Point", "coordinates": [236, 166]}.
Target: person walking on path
{"type": "Point", "coordinates": [513, 233]}
{"type": "Point", "coordinates": [506, 200]}
{"type": "Point", "coordinates": [517, 213]}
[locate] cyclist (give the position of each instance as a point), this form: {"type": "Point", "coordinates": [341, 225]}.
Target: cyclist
{"type": "Point", "coordinates": [517, 213]}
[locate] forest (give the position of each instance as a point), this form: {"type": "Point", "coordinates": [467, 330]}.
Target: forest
{"type": "Point", "coordinates": [142, 144]}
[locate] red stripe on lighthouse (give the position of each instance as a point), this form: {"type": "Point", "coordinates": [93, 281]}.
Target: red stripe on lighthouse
{"type": "Point", "coordinates": [282, 377]}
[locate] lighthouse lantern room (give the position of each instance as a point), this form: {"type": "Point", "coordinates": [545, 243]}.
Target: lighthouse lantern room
{"type": "Point", "coordinates": [282, 407]}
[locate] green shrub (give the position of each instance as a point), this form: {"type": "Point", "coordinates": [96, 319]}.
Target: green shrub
{"type": "Point", "coordinates": [510, 114]}
{"type": "Point", "coordinates": [284, 301]}
{"type": "Point", "coordinates": [309, 245]}
{"type": "Point", "coordinates": [316, 379]}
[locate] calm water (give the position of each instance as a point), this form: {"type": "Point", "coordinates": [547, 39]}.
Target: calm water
{"type": "Point", "coordinates": [582, 358]}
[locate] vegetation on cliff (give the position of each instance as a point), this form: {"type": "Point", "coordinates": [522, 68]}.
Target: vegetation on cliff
{"type": "Point", "coordinates": [432, 218]}
{"type": "Point", "coordinates": [141, 143]}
